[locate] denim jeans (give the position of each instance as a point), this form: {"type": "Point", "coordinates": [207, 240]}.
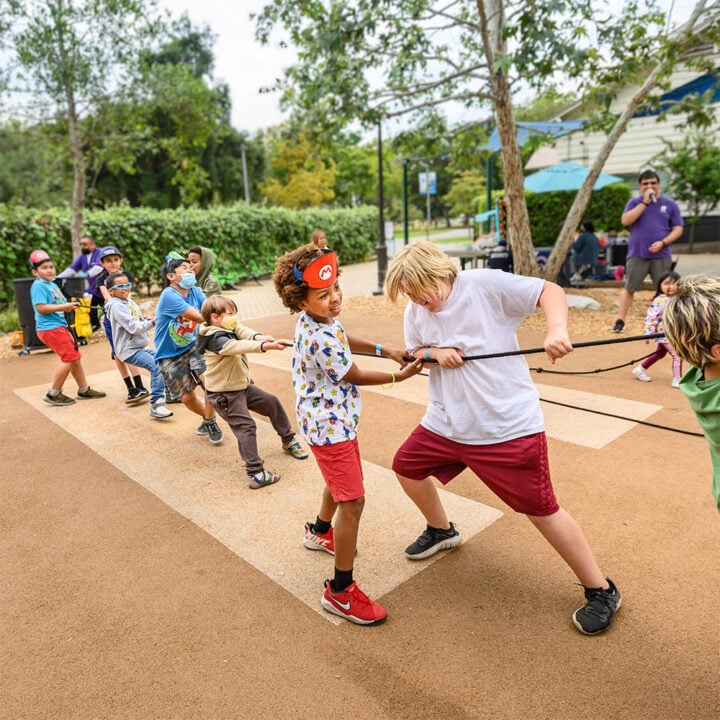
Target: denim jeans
{"type": "Point", "coordinates": [145, 359]}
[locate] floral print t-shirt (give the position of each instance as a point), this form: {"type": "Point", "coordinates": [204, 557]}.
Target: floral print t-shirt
{"type": "Point", "coordinates": [654, 317]}
{"type": "Point", "coordinates": [328, 409]}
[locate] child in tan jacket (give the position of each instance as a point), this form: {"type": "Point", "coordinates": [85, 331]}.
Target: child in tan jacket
{"type": "Point", "coordinates": [231, 391]}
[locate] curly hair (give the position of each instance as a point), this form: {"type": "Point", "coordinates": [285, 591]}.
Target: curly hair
{"type": "Point", "coordinates": [292, 291]}
{"type": "Point", "coordinates": [692, 319]}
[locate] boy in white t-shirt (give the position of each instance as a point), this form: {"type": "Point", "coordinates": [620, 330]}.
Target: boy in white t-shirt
{"type": "Point", "coordinates": [325, 379]}
{"type": "Point", "coordinates": [485, 415]}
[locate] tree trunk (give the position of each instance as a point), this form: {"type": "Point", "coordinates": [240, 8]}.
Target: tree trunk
{"type": "Point", "coordinates": [574, 216]}
{"type": "Point", "coordinates": [492, 21]}
{"type": "Point", "coordinates": [79, 177]}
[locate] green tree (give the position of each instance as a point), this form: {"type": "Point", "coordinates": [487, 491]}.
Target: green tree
{"type": "Point", "coordinates": [474, 52]}
{"type": "Point", "coordinates": [693, 167]}
{"type": "Point", "coordinates": [301, 178]}
{"type": "Point", "coordinates": [71, 55]}
{"type": "Point", "coordinates": [467, 187]}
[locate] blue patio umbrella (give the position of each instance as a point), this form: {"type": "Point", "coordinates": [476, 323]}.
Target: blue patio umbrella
{"type": "Point", "coordinates": [565, 176]}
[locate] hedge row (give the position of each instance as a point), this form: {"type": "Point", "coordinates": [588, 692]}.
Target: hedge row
{"type": "Point", "coordinates": [246, 240]}
{"type": "Point", "coordinates": [548, 211]}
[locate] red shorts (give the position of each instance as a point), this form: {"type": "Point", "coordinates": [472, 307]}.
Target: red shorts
{"type": "Point", "coordinates": [61, 342]}
{"type": "Point", "coordinates": [517, 471]}
{"type": "Point", "coordinates": [341, 469]}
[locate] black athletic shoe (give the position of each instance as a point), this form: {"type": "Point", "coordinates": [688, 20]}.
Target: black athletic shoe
{"type": "Point", "coordinates": [597, 615]}
{"type": "Point", "coordinates": [619, 326]}
{"type": "Point", "coordinates": [432, 541]}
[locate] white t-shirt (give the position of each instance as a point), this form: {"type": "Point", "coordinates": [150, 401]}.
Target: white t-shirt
{"type": "Point", "coordinates": [484, 401]}
{"type": "Point", "coordinates": [328, 408]}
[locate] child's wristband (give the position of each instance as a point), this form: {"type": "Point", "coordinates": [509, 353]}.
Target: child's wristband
{"type": "Point", "coordinates": [427, 353]}
{"type": "Point", "coordinates": [391, 385]}
{"type": "Point", "coordinates": [378, 350]}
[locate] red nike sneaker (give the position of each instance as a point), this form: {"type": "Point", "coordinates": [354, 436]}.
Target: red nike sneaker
{"type": "Point", "coordinates": [353, 605]}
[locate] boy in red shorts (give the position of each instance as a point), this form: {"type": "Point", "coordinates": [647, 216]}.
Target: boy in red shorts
{"type": "Point", "coordinates": [325, 378]}
{"type": "Point", "coordinates": [50, 307]}
{"type": "Point", "coordinates": [485, 414]}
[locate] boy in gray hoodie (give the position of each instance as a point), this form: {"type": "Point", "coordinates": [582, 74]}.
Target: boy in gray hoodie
{"type": "Point", "coordinates": [131, 339]}
{"type": "Point", "coordinates": [231, 391]}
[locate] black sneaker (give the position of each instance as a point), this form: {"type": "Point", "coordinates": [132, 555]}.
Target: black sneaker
{"type": "Point", "coordinates": [619, 326]}
{"type": "Point", "coordinates": [136, 395]}
{"type": "Point", "coordinates": [432, 541]}
{"type": "Point", "coordinates": [211, 429]}
{"type": "Point", "coordinates": [597, 615]}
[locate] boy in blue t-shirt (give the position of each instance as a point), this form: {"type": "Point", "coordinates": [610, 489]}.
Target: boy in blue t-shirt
{"type": "Point", "coordinates": [176, 327]}
{"type": "Point", "coordinates": [50, 307]}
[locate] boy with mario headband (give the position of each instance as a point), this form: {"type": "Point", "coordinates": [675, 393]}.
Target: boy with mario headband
{"type": "Point", "coordinates": [50, 307]}
{"type": "Point", "coordinates": [325, 379]}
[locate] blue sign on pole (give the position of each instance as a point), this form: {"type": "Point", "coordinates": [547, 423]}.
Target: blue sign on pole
{"type": "Point", "coordinates": [423, 179]}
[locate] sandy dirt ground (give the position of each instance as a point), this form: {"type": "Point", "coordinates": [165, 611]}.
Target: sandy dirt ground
{"type": "Point", "coordinates": [115, 605]}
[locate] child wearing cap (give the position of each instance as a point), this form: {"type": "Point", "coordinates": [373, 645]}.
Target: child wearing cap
{"type": "Point", "coordinates": [50, 307]}
{"type": "Point", "coordinates": [132, 342]}
{"type": "Point", "coordinates": [325, 378]}
{"type": "Point", "coordinates": [111, 260]}
{"type": "Point", "coordinates": [232, 392]}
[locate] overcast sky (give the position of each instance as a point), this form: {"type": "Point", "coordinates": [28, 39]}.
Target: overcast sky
{"type": "Point", "coordinates": [245, 65]}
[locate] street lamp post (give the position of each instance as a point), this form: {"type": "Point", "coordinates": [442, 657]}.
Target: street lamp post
{"type": "Point", "coordinates": [243, 149]}
{"type": "Point", "coordinates": [381, 249]}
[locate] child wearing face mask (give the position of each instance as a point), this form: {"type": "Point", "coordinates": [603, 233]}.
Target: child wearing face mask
{"type": "Point", "coordinates": [177, 318]}
{"type": "Point", "coordinates": [231, 391]}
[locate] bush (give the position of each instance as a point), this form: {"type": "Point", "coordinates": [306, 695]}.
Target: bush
{"type": "Point", "coordinates": [548, 211]}
{"type": "Point", "coordinates": [245, 240]}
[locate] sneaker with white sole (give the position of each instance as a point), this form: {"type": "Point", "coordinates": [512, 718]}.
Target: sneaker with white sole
{"type": "Point", "coordinates": [159, 411]}
{"type": "Point", "coordinates": [353, 605]}
{"type": "Point", "coordinates": [262, 479]}
{"type": "Point", "coordinates": [315, 541]}
{"type": "Point", "coordinates": [295, 449]}
{"type": "Point", "coordinates": [640, 374]}
{"type": "Point", "coordinates": [432, 541]}
{"type": "Point", "coordinates": [597, 614]}
{"type": "Point", "coordinates": [211, 429]}
{"type": "Point", "coordinates": [675, 383]}
{"type": "Point", "coordinates": [619, 326]}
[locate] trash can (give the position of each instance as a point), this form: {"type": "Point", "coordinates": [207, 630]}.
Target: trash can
{"type": "Point", "coordinates": [72, 287]}
{"type": "Point", "coordinates": [26, 313]}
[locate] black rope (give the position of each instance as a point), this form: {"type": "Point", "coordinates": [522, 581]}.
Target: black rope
{"type": "Point", "coordinates": [590, 372]}
{"type": "Point", "coordinates": [620, 417]}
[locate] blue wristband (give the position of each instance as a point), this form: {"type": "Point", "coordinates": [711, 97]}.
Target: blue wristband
{"type": "Point", "coordinates": [427, 353]}
{"type": "Point", "coordinates": [378, 350]}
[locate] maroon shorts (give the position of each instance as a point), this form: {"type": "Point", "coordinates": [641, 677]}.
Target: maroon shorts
{"type": "Point", "coordinates": [517, 471]}
{"type": "Point", "coordinates": [61, 342]}
{"type": "Point", "coordinates": [341, 469]}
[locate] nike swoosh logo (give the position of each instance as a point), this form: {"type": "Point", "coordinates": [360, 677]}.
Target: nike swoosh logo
{"type": "Point", "coordinates": [344, 606]}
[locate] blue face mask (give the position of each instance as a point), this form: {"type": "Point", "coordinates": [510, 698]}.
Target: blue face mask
{"type": "Point", "coordinates": [187, 280]}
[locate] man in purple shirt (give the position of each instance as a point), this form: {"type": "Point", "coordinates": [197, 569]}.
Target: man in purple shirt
{"type": "Point", "coordinates": [87, 264]}
{"type": "Point", "coordinates": [655, 223]}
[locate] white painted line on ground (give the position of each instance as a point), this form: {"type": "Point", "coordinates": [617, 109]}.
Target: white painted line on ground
{"type": "Point", "coordinates": [207, 485]}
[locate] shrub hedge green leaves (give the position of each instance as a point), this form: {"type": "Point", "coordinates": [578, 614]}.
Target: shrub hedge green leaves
{"type": "Point", "coordinates": [245, 240]}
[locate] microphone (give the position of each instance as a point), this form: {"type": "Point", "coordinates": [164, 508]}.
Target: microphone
{"type": "Point", "coordinates": [653, 199]}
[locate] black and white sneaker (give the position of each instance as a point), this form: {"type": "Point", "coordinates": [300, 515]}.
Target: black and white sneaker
{"type": "Point", "coordinates": [432, 541]}
{"type": "Point", "coordinates": [597, 615]}
{"type": "Point", "coordinates": [619, 326]}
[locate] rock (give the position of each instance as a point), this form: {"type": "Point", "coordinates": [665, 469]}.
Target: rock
{"type": "Point", "coordinates": [582, 302]}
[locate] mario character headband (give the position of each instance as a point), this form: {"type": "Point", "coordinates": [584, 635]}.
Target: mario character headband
{"type": "Point", "coordinates": [320, 273]}
{"type": "Point", "coordinates": [37, 258]}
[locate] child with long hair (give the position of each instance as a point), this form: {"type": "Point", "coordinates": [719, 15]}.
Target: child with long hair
{"type": "Point", "coordinates": [664, 290]}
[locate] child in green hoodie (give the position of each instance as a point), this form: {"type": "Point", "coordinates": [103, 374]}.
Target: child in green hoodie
{"type": "Point", "coordinates": [202, 261]}
{"type": "Point", "coordinates": [692, 326]}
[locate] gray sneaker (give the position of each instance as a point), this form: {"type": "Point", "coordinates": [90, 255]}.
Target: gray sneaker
{"type": "Point", "coordinates": [597, 614]}
{"type": "Point", "coordinates": [90, 394]}
{"type": "Point", "coordinates": [211, 429]}
{"type": "Point", "coordinates": [58, 399]}
{"type": "Point", "coordinates": [432, 541]}
{"type": "Point", "coordinates": [158, 410]}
